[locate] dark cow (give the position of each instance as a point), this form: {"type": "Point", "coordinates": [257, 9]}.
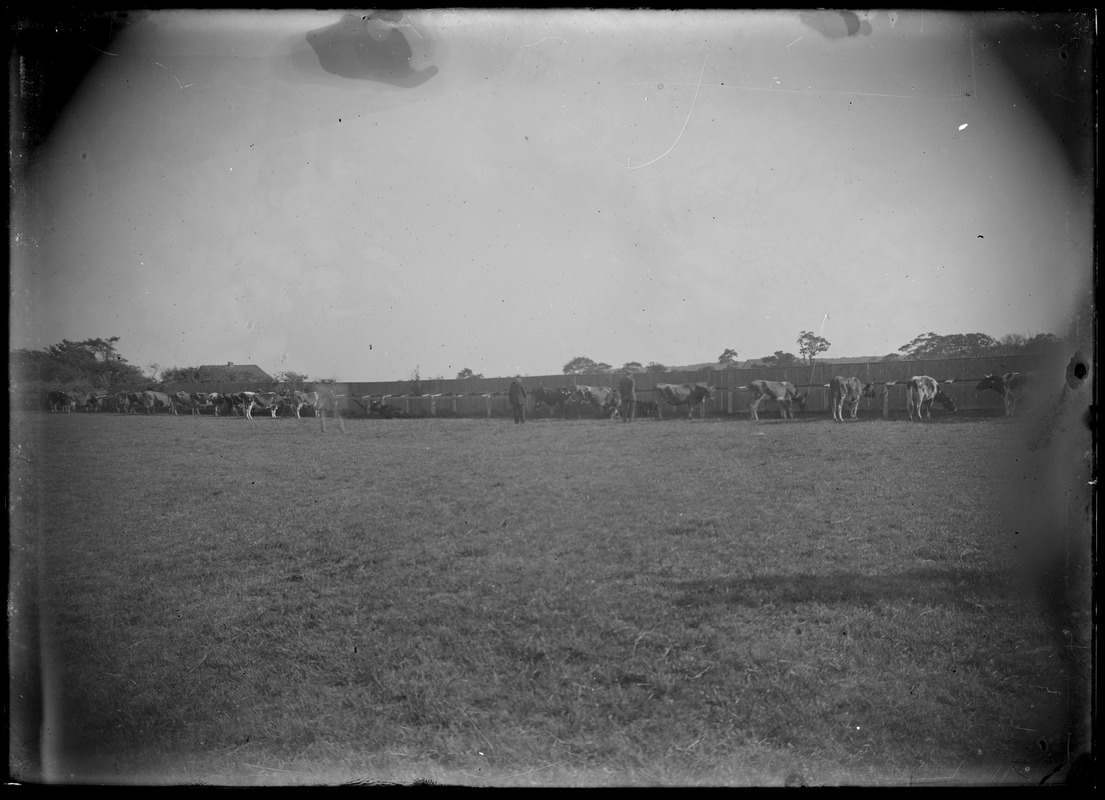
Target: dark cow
{"type": "Point", "coordinates": [60, 401]}
{"type": "Point", "coordinates": [921, 392]}
{"type": "Point", "coordinates": [86, 401]}
{"type": "Point", "coordinates": [602, 398]}
{"type": "Point", "coordinates": [553, 398]}
{"type": "Point", "coordinates": [155, 400]}
{"type": "Point", "coordinates": [1012, 386]}
{"type": "Point", "coordinates": [627, 388]}
{"type": "Point", "coordinates": [386, 411]}
{"type": "Point", "coordinates": [681, 394]}
{"type": "Point", "coordinates": [782, 392]}
{"type": "Point", "coordinates": [848, 391]}
{"type": "Point", "coordinates": [517, 396]}
{"type": "Point", "coordinates": [269, 401]}
{"type": "Point", "coordinates": [297, 401]}
{"type": "Point", "coordinates": [126, 401]}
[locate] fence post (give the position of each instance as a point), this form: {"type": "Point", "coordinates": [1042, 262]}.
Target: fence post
{"type": "Point", "coordinates": [886, 402]}
{"type": "Point", "coordinates": [488, 396]}
{"type": "Point", "coordinates": [433, 405]}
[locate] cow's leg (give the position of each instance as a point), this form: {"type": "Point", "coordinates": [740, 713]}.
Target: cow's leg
{"type": "Point", "coordinates": [754, 408]}
{"type": "Point", "coordinates": [248, 407]}
{"type": "Point", "coordinates": [659, 411]}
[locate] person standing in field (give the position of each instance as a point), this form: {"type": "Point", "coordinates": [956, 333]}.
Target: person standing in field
{"type": "Point", "coordinates": [628, 391]}
{"type": "Point", "coordinates": [328, 406]}
{"type": "Point", "coordinates": [517, 395]}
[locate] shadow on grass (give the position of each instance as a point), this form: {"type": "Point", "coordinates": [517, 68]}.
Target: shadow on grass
{"type": "Point", "coordinates": [925, 585]}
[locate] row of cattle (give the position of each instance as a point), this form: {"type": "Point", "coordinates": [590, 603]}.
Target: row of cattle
{"type": "Point", "coordinates": [845, 393]}
{"type": "Point", "coordinates": [243, 403]}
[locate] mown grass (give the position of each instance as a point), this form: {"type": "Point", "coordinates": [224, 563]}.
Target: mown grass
{"type": "Point", "coordinates": [560, 603]}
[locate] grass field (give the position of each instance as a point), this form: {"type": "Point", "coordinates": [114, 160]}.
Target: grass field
{"type": "Point", "coordinates": [560, 603]}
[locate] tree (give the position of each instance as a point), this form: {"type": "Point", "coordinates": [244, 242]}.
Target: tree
{"type": "Point", "coordinates": [891, 357]}
{"type": "Point", "coordinates": [810, 344]}
{"type": "Point", "coordinates": [92, 363]}
{"type": "Point", "coordinates": [780, 359]}
{"type": "Point", "coordinates": [1018, 344]}
{"type": "Point", "coordinates": [414, 384]}
{"type": "Point", "coordinates": [956, 345]}
{"type": "Point", "coordinates": [632, 366]}
{"type": "Point", "coordinates": [581, 365]}
{"type": "Point", "coordinates": [293, 380]}
{"type": "Point", "coordinates": [728, 358]}
{"type": "Point", "coordinates": [655, 366]}
{"type": "Point", "coordinates": [466, 373]}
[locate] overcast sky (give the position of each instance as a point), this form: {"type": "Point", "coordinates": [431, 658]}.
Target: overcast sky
{"type": "Point", "coordinates": [504, 191]}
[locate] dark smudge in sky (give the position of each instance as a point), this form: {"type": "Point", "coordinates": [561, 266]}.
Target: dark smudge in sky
{"type": "Point", "coordinates": [368, 47]}
{"type": "Point", "coordinates": [835, 24]}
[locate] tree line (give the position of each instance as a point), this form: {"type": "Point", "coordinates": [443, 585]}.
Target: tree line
{"type": "Point", "coordinates": [96, 364]}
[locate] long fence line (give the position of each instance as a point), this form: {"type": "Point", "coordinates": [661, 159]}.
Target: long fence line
{"type": "Point", "coordinates": [487, 396]}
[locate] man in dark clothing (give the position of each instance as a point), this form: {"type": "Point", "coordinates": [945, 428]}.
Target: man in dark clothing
{"type": "Point", "coordinates": [628, 391]}
{"type": "Point", "coordinates": [517, 396]}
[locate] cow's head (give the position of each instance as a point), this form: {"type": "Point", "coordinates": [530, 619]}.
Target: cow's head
{"type": "Point", "coordinates": [994, 382]}
{"type": "Point", "coordinates": [868, 390]}
{"type": "Point", "coordinates": [800, 400]}
{"type": "Point", "coordinates": [945, 400]}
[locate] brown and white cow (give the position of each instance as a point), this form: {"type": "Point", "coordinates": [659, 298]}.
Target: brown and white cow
{"type": "Point", "coordinates": [155, 400]}
{"type": "Point", "coordinates": [1012, 386]}
{"type": "Point", "coordinates": [782, 392]}
{"type": "Point", "coordinates": [848, 391]}
{"type": "Point", "coordinates": [297, 401]}
{"type": "Point", "coordinates": [602, 398]}
{"type": "Point", "coordinates": [270, 401]}
{"type": "Point", "coordinates": [921, 392]}
{"type": "Point", "coordinates": [553, 398]}
{"type": "Point", "coordinates": [681, 394]}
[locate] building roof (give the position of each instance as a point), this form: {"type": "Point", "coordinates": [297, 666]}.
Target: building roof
{"type": "Point", "coordinates": [246, 372]}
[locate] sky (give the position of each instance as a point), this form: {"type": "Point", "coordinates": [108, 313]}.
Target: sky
{"type": "Point", "coordinates": [357, 196]}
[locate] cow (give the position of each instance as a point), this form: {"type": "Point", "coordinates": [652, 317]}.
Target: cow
{"type": "Point", "coordinates": [270, 401]}
{"type": "Point", "coordinates": [848, 390]}
{"type": "Point", "coordinates": [1012, 386]}
{"type": "Point", "coordinates": [782, 392]}
{"type": "Point", "coordinates": [81, 399]}
{"type": "Point", "coordinates": [298, 400]}
{"type": "Point", "coordinates": [386, 411]}
{"type": "Point", "coordinates": [680, 394]}
{"type": "Point", "coordinates": [202, 400]}
{"type": "Point", "coordinates": [126, 401]}
{"type": "Point", "coordinates": [602, 398]}
{"type": "Point", "coordinates": [627, 389]}
{"type": "Point", "coordinates": [517, 396]}
{"type": "Point", "coordinates": [60, 401]}
{"type": "Point", "coordinates": [155, 400]}
{"type": "Point", "coordinates": [921, 392]}
{"type": "Point", "coordinates": [183, 400]}
{"type": "Point", "coordinates": [553, 398]}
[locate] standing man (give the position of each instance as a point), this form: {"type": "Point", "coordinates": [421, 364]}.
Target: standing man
{"type": "Point", "coordinates": [628, 390]}
{"type": "Point", "coordinates": [328, 406]}
{"type": "Point", "coordinates": [517, 396]}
